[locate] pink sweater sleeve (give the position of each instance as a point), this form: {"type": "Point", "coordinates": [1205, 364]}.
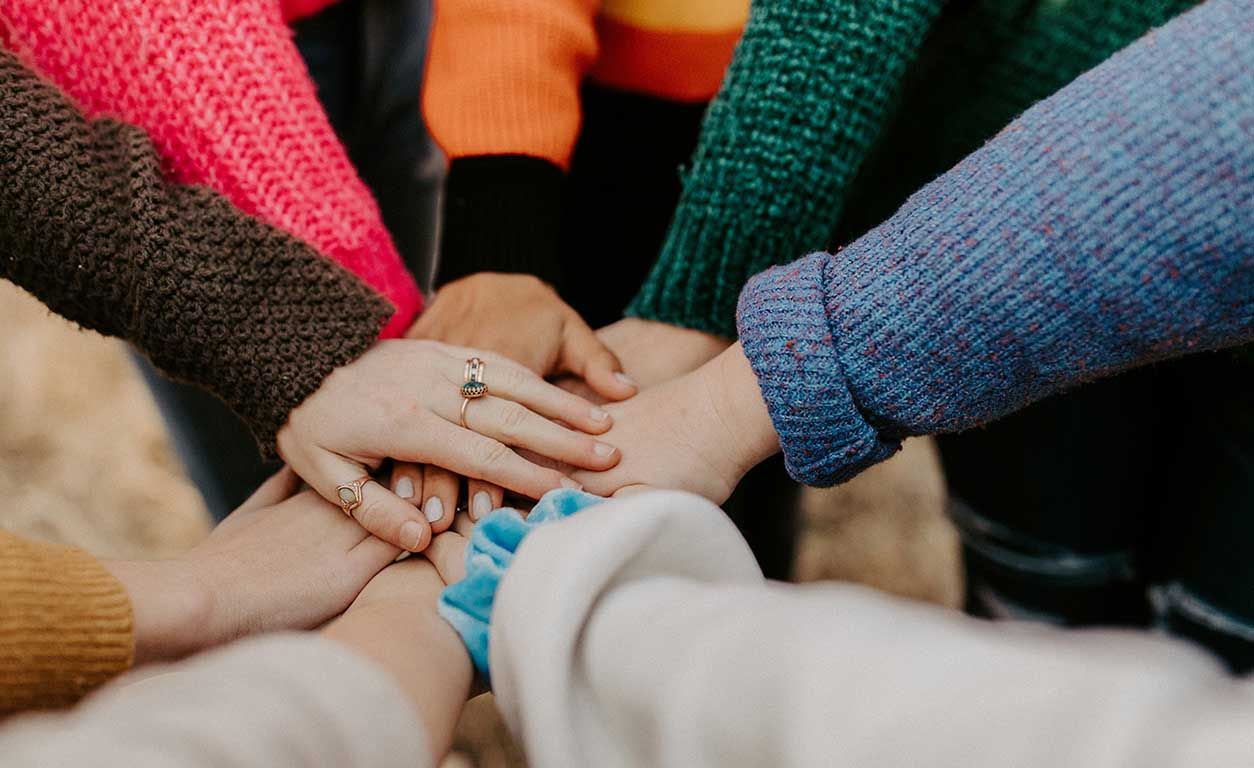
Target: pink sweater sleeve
{"type": "Point", "coordinates": [223, 93]}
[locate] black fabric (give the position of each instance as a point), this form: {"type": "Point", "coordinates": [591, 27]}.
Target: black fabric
{"type": "Point", "coordinates": [1157, 467]}
{"type": "Point", "coordinates": [620, 195]}
{"type": "Point", "coordinates": [502, 213]}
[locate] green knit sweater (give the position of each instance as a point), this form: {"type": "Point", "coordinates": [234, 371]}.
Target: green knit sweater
{"type": "Point", "coordinates": [885, 93]}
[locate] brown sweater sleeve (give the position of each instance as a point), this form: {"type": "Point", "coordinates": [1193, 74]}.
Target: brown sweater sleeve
{"type": "Point", "coordinates": [65, 625]}
{"type": "Point", "coordinates": [210, 295]}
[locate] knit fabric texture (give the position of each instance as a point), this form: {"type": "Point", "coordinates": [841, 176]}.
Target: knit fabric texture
{"type": "Point", "coordinates": [65, 625]}
{"type": "Point", "coordinates": [223, 93]}
{"type": "Point", "coordinates": [211, 295]}
{"type": "Point", "coordinates": [813, 84]}
{"type": "Point", "coordinates": [1111, 226]}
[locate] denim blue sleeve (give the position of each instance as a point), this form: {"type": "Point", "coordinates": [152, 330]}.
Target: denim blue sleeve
{"type": "Point", "coordinates": [467, 605]}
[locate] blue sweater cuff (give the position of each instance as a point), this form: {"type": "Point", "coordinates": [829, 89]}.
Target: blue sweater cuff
{"type": "Point", "coordinates": [467, 605]}
{"type": "Point", "coordinates": [788, 339]}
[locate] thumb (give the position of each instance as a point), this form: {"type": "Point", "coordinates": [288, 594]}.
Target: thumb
{"type": "Point", "coordinates": [584, 355]}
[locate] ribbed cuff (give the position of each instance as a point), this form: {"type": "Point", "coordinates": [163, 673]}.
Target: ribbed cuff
{"type": "Point", "coordinates": [502, 213]}
{"type": "Point", "coordinates": [786, 335]}
{"type": "Point", "coordinates": [65, 625]}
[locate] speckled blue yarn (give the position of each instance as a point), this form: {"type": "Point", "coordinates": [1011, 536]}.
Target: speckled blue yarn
{"type": "Point", "coordinates": [467, 605]}
{"type": "Point", "coordinates": [1110, 226]}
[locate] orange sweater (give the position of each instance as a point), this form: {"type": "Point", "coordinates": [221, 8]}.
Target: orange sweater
{"type": "Point", "coordinates": [65, 625]}
{"type": "Point", "coordinates": [503, 76]}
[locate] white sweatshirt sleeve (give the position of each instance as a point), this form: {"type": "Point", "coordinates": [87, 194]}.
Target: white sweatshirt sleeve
{"type": "Point", "coordinates": [290, 701]}
{"type": "Point", "coordinates": [640, 632]}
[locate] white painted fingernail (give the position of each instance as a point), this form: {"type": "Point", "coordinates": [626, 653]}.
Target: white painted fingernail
{"type": "Point", "coordinates": [434, 509]}
{"type": "Point", "coordinates": [568, 483]}
{"type": "Point", "coordinates": [482, 505]}
{"type": "Point", "coordinates": [411, 535]}
{"type": "Point", "coordinates": [600, 414]}
{"type": "Point", "coordinates": [602, 449]}
{"type": "Point", "coordinates": [625, 379]}
{"type": "Point", "coordinates": [405, 488]}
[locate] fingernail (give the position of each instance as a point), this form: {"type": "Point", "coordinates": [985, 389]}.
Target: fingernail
{"type": "Point", "coordinates": [411, 535]}
{"type": "Point", "coordinates": [603, 449]}
{"type": "Point", "coordinates": [405, 488]}
{"type": "Point", "coordinates": [568, 483]}
{"type": "Point", "coordinates": [434, 509]}
{"type": "Point", "coordinates": [625, 379]}
{"type": "Point", "coordinates": [482, 505]}
{"type": "Point", "coordinates": [600, 414]}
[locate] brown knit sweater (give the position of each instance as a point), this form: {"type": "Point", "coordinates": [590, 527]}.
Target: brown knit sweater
{"type": "Point", "coordinates": [210, 295]}
{"type": "Point", "coordinates": [65, 625]}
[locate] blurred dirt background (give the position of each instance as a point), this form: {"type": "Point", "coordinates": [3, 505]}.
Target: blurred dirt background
{"type": "Point", "coordinates": [84, 460]}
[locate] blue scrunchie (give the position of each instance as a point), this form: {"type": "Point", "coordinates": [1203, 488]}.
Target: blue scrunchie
{"type": "Point", "coordinates": [467, 605]}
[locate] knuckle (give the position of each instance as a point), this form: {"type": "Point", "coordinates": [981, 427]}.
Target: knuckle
{"type": "Point", "coordinates": [513, 420]}
{"type": "Point", "coordinates": [373, 516]}
{"type": "Point", "coordinates": [490, 453]}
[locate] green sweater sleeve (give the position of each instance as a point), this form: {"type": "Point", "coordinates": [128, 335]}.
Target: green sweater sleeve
{"type": "Point", "coordinates": [803, 100]}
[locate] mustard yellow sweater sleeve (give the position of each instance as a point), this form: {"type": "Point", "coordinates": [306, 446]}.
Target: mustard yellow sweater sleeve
{"type": "Point", "coordinates": [65, 625]}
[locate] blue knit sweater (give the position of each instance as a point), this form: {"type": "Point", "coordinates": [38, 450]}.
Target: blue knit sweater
{"type": "Point", "coordinates": [1110, 226]}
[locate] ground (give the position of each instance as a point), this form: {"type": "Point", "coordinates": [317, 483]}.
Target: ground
{"type": "Point", "coordinates": [84, 460]}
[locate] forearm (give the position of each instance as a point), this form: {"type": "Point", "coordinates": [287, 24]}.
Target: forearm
{"type": "Point", "coordinates": [290, 700]}
{"type": "Point", "coordinates": [806, 95]}
{"type": "Point", "coordinates": [501, 99]}
{"type": "Point", "coordinates": [65, 625]}
{"type": "Point", "coordinates": [212, 296]}
{"type": "Point", "coordinates": [1110, 226]}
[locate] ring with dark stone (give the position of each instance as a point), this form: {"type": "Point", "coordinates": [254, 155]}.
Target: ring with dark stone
{"type": "Point", "coordinates": [474, 389]}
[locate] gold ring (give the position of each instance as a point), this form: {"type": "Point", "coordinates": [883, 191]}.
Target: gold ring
{"type": "Point", "coordinates": [474, 386]}
{"type": "Point", "coordinates": [349, 494]}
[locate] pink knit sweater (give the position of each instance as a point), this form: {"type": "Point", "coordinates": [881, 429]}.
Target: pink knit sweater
{"type": "Point", "coordinates": [223, 93]}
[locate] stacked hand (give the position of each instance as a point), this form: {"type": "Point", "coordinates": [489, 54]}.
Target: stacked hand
{"type": "Point", "coordinates": [402, 400]}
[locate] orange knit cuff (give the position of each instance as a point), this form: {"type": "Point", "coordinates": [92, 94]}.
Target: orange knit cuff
{"type": "Point", "coordinates": [65, 625]}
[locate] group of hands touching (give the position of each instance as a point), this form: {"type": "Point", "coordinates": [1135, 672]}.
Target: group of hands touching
{"type": "Point", "coordinates": [636, 404]}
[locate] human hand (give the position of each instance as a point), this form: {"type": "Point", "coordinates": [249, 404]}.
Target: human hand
{"type": "Point", "coordinates": [522, 318]}
{"type": "Point", "coordinates": [652, 352]}
{"type": "Point", "coordinates": [700, 432]}
{"type": "Point", "coordinates": [275, 563]}
{"type": "Point", "coordinates": [402, 400]}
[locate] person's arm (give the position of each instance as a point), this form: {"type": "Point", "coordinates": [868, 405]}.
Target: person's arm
{"type": "Point", "coordinates": [382, 686]}
{"type": "Point", "coordinates": [806, 95]}
{"type": "Point", "coordinates": [69, 622]}
{"type": "Point", "coordinates": [1111, 226]}
{"type": "Point", "coordinates": [222, 91]}
{"type": "Point", "coordinates": [501, 98]}
{"type": "Point", "coordinates": [91, 228]}
{"type": "Point", "coordinates": [640, 632]}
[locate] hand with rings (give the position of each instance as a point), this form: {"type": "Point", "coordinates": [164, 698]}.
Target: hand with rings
{"type": "Point", "coordinates": [411, 401]}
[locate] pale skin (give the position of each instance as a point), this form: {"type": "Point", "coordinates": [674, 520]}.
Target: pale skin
{"type": "Point", "coordinates": [525, 320]}
{"type": "Point", "coordinates": [401, 400]}
{"type": "Point", "coordinates": [700, 432]}
{"type": "Point", "coordinates": [278, 562]}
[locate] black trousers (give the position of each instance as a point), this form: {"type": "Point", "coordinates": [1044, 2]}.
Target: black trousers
{"type": "Point", "coordinates": [1125, 502]}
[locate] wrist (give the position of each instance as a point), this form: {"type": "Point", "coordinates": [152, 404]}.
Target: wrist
{"type": "Point", "coordinates": [170, 608]}
{"type": "Point", "coordinates": [751, 437]}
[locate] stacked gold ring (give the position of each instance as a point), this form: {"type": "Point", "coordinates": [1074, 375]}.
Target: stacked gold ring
{"type": "Point", "coordinates": [474, 386]}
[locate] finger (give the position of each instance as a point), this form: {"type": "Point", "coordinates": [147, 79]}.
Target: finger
{"type": "Point", "coordinates": [473, 455]}
{"type": "Point", "coordinates": [463, 525]}
{"type": "Point", "coordinates": [407, 482]}
{"type": "Point", "coordinates": [381, 512]}
{"type": "Point", "coordinates": [484, 497]}
{"type": "Point", "coordinates": [514, 425]}
{"type": "Point", "coordinates": [506, 378]}
{"type": "Point", "coordinates": [278, 487]}
{"type": "Point", "coordinates": [584, 355]}
{"type": "Point", "coordinates": [440, 488]}
{"type": "Point", "coordinates": [448, 554]}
